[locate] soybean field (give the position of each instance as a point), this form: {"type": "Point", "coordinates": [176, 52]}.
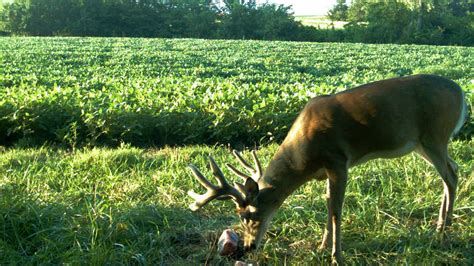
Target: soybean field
{"type": "Point", "coordinates": [81, 91]}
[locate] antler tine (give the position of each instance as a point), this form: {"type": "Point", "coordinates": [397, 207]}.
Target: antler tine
{"type": "Point", "coordinates": [199, 200]}
{"type": "Point", "coordinates": [217, 172]}
{"type": "Point", "coordinates": [256, 172]}
{"type": "Point", "coordinates": [237, 172]}
{"type": "Point", "coordinates": [258, 166]}
{"type": "Point", "coordinates": [242, 161]}
{"type": "Point", "coordinates": [200, 177]}
{"type": "Point", "coordinates": [222, 191]}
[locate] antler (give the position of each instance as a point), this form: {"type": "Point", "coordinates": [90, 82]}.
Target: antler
{"type": "Point", "coordinates": [222, 191]}
{"type": "Point", "coordinates": [256, 172]}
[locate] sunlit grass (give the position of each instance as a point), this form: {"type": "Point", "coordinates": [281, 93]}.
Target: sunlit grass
{"type": "Point", "coordinates": [129, 205]}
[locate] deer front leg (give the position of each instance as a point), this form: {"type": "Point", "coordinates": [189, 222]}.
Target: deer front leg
{"type": "Point", "coordinates": [337, 179]}
{"type": "Point", "coordinates": [327, 236]}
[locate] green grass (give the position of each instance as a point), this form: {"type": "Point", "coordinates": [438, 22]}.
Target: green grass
{"type": "Point", "coordinates": [129, 206]}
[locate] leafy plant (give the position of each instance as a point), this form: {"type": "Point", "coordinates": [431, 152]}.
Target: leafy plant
{"type": "Point", "coordinates": [108, 91]}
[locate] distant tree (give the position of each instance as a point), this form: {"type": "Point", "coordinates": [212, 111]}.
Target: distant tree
{"type": "Point", "coordinates": [411, 21]}
{"type": "Point", "coordinates": [252, 21]}
{"type": "Point", "coordinates": [230, 3]}
{"type": "Point", "coordinates": [387, 21]}
{"type": "Point", "coordinates": [14, 17]}
{"type": "Point", "coordinates": [197, 18]}
{"type": "Point", "coordinates": [240, 21]}
{"type": "Point", "coordinates": [378, 22]}
{"type": "Point", "coordinates": [276, 23]}
{"type": "Point", "coordinates": [357, 11]}
{"type": "Point", "coordinates": [52, 17]}
{"type": "Point", "coordinates": [339, 12]}
{"type": "Point", "coordinates": [445, 22]}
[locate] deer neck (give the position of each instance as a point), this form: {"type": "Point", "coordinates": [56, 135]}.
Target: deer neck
{"type": "Point", "coordinates": [285, 173]}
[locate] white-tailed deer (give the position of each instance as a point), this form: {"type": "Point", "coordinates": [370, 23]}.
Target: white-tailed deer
{"type": "Point", "coordinates": [383, 119]}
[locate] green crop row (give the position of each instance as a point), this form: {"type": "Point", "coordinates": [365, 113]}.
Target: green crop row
{"type": "Point", "coordinates": [96, 91]}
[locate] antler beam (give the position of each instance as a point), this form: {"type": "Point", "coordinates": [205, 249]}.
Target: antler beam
{"type": "Point", "coordinates": [222, 191]}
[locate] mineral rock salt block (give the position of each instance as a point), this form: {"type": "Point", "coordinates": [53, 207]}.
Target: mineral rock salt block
{"type": "Point", "coordinates": [228, 241]}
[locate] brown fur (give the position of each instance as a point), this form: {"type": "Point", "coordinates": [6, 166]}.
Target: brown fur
{"type": "Point", "coordinates": [383, 119]}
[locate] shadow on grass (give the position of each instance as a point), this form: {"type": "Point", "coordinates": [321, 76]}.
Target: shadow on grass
{"type": "Point", "coordinates": [88, 232]}
{"type": "Point", "coordinates": [413, 247]}
{"type": "Point", "coordinates": [63, 124]}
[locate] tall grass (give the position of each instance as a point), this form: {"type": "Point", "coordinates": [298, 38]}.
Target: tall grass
{"type": "Point", "coordinates": [129, 206]}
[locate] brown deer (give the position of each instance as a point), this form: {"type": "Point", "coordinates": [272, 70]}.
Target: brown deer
{"type": "Point", "coordinates": [383, 119]}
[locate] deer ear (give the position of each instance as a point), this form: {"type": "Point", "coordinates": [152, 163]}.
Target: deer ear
{"type": "Point", "coordinates": [251, 190]}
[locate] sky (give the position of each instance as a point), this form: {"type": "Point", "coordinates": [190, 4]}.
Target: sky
{"type": "Point", "coordinates": [306, 7]}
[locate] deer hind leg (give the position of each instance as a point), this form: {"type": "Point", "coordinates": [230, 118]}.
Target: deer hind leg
{"type": "Point", "coordinates": [451, 183]}
{"type": "Point", "coordinates": [447, 169]}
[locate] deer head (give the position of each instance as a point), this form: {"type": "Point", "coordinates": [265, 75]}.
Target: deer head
{"type": "Point", "coordinates": [255, 206]}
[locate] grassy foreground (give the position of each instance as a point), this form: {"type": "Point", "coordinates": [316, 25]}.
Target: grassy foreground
{"type": "Point", "coordinates": [129, 206]}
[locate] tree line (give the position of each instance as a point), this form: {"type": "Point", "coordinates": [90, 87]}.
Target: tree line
{"type": "Point", "coordinates": [449, 22]}
{"type": "Point", "coordinates": [407, 21]}
{"type": "Point", "coordinates": [150, 18]}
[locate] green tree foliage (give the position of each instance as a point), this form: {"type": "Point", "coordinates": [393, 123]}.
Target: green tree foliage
{"type": "Point", "coordinates": [339, 12]}
{"type": "Point", "coordinates": [411, 21]}
{"type": "Point", "coordinates": [444, 23]}
{"type": "Point", "coordinates": [383, 23]}
{"type": "Point", "coordinates": [449, 22]}
{"type": "Point", "coordinates": [150, 18]}
{"type": "Point", "coordinates": [267, 22]}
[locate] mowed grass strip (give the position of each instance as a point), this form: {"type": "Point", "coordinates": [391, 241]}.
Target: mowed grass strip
{"type": "Point", "coordinates": [129, 206]}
